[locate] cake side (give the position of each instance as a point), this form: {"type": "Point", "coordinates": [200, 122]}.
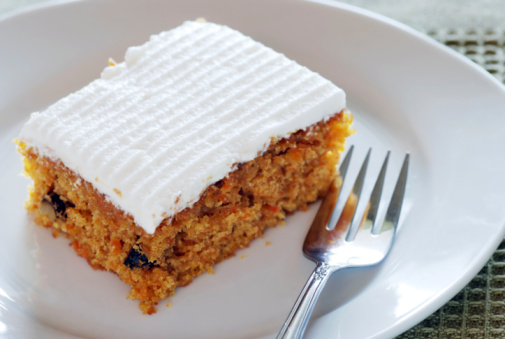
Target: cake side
{"type": "Point", "coordinates": [230, 213]}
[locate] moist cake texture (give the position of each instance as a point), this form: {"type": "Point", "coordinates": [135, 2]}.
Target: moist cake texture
{"type": "Point", "coordinates": [182, 154]}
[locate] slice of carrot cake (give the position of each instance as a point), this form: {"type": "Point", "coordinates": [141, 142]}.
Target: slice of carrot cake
{"type": "Point", "coordinates": [182, 154]}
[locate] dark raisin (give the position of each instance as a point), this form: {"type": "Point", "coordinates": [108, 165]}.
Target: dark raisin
{"type": "Point", "coordinates": [251, 200]}
{"type": "Point", "coordinates": [219, 183]}
{"type": "Point", "coordinates": [283, 152]}
{"type": "Point", "coordinates": [177, 252]}
{"type": "Point", "coordinates": [59, 205]}
{"type": "Point", "coordinates": [247, 197]}
{"type": "Point", "coordinates": [207, 211]}
{"type": "Point", "coordinates": [138, 259]}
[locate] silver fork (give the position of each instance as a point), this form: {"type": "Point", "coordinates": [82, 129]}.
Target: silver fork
{"type": "Point", "coordinates": [334, 242]}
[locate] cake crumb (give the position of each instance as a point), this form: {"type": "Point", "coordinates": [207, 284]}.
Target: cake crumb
{"type": "Point", "coordinates": [55, 233]}
{"type": "Point", "coordinates": [268, 243]}
{"type": "Point", "coordinates": [21, 144]}
{"type": "Point", "coordinates": [169, 303]}
{"type": "Point", "coordinates": [211, 270]}
{"type": "Point", "coordinates": [118, 192]}
{"type": "Point", "coordinates": [242, 256]}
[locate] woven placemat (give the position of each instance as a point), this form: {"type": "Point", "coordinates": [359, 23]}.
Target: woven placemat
{"type": "Point", "coordinates": [484, 47]}
{"type": "Point", "coordinates": [478, 311]}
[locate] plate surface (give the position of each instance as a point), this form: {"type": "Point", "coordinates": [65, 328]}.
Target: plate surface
{"type": "Point", "coordinates": [407, 93]}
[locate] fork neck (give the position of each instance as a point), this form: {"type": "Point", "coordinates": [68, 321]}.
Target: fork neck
{"type": "Point", "coordinates": [295, 324]}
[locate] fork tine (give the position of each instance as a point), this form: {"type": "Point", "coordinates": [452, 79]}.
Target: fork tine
{"type": "Point", "coordinates": [371, 218]}
{"type": "Point", "coordinates": [339, 204]}
{"type": "Point", "coordinates": [395, 206]}
{"type": "Point", "coordinates": [345, 163]}
{"type": "Point", "coordinates": [356, 191]}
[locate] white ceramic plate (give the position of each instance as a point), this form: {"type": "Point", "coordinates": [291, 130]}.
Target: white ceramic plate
{"type": "Point", "coordinates": [407, 93]}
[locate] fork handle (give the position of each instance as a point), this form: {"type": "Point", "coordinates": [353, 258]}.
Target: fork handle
{"type": "Point", "coordinates": [295, 324]}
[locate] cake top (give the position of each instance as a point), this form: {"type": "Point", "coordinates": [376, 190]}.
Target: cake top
{"type": "Point", "coordinates": [177, 115]}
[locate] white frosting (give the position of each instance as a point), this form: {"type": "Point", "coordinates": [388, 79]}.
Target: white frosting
{"type": "Point", "coordinates": [156, 130]}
